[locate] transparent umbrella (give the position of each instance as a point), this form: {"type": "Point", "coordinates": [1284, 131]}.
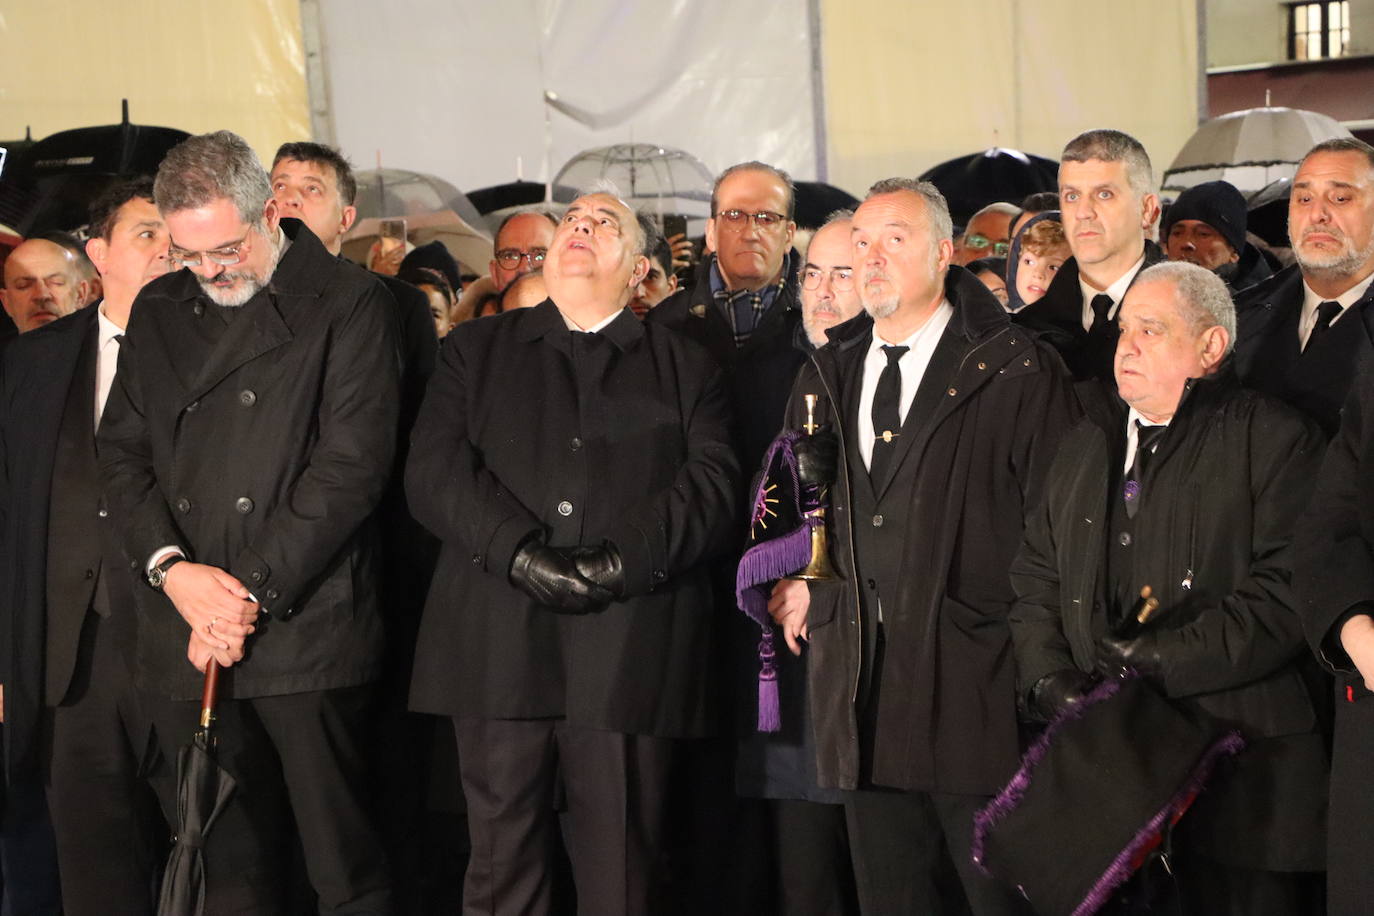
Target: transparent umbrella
{"type": "Point", "coordinates": [655, 179]}
{"type": "Point", "coordinates": [1250, 148]}
{"type": "Point", "coordinates": [432, 208]}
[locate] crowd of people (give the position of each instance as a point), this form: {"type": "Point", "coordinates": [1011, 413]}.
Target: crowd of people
{"type": "Point", "coordinates": [520, 506]}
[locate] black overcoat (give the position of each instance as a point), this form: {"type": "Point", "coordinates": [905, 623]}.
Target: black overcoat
{"type": "Point", "coordinates": [1316, 379]}
{"type": "Point", "coordinates": [36, 372]}
{"type": "Point", "coordinates": [261, 446]}
{"type": "Point", "coordinates": [620, 436]}
{"type": "Point", "coordinates": [974, 468]}
{"type": "Point", "coordinates": [1213, 538]}
{"type": "Point", "coordinates": [1334, 576]}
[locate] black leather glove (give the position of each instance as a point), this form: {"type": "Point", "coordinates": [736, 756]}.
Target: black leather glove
{"type": "Point", "coordinates": [1058, 691]}
{"type": "Point", "coordinates": [551, 579]}
{"type": "Point", "coordinates": [818, 457]}
{"type": "Point", "coordinates": [1142, 654]}
{"type": "Point", "coordinates": [600, 565]}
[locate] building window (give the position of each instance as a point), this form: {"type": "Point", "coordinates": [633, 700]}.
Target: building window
{"type": "Point", "coordinates": [1318, 30]}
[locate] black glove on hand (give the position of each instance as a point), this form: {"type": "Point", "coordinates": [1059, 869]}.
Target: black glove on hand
{"type": "Point", "coordinates": [1142, 654]}
{"type": "Point", "coordinates": [818, 457]}
{"type": "Point", "coordinates": [552, 579]}
{"type": "Point", "coordinates": [600, 565]}
{"type": "Point", "coordinates": [1058, 691]}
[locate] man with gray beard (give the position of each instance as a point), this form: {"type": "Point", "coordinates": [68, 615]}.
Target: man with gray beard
{"type": "Point", "coordinates": [1303, 332]}
{"type": "Point", "coordinates": [940, 418]}
{"type": "Point", "coordinates": [246, 442]}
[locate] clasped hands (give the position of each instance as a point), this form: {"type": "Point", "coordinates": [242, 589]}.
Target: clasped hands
{"type": "Point", "coordinates": [572, 579]}
{"type": "Point", "coordinates": [217, 607]}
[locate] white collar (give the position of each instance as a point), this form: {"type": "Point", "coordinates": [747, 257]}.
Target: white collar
{"type": "Point", "coordinates": [1310, 300]}
{"type": "Point", "coordinates": [1118, 288]}
{"type": "Point", "coordinates": [108, 329]}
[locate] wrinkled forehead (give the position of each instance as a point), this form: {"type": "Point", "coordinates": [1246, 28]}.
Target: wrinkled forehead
{"type": "Point", "coordinates": [1339, 167]}
{"type": "Point", "coordinates": [39, 258]}
{"type": "Point", "coordinates": [526, 230]}
{"type": "Point", "coordinates": [602, 203]}
{"type": "Point", "coordinates": [1153, 300]}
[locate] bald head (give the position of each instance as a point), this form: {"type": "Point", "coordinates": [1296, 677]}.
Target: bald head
{"type": "Point", "coordinates": [43, 282]}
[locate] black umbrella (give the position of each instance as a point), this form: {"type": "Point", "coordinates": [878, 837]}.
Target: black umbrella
{"type": "Point", "coordinates": [972, 182]}
{"type": "Point", "coordinates": [51, 184]}
{"type": "Point", "coordinates": [203, 789]}
{"type": "Point", "coordinates": [504, 196]}
{"type": "Point", "coordinates": [816, 200]}
{"type": "Point", "coordinates": [1268, 212]}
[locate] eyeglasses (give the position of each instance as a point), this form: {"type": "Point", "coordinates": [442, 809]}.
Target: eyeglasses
{"type": "Point", "coordinates": [982, 242]}
{"type": "Point", "coordinates": [764, 219]}
{"type": "Point", "coordinates": [841, 278]}
{"type": "Point", "coordinates": [231, 254]}
{"type": "Point", "coordinates": [510, 258]}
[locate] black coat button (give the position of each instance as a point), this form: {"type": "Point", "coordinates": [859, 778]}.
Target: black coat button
{"type": "Point", "coordinates": [575, 443]}
{"type": "Point", "coordinates": [256, 575]}
{"type": "Point", "coordinates": [273, 594]}
{"type": "Point", "coordinates": [877, 521]}
{"type": "Point", "coordinates": [198, 309]}
{"type": "Point", "coordinates": [247, 397]}
{"type": "Point", "coordinates": [103, 513]}
{"type": "Point", "coordinates": [476, 559]}
{"type": "Point", "coordinates": [659, 575]}
{"type": "Point", "coordinates": [565, 508]}
{"type": "Point", "coordinates": [183, 505]}
{"type": "Point", "coordinates": [872, 583]}
{"type": "Point", "coordinates": [1125, 539]}
{"type": "Point", "coordinates": [244, 505]}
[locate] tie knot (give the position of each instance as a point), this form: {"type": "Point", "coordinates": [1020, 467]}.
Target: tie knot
{"type": "Point", "coordinates": [894, 353]}
{"type": "Point", "coordinates": [1327, 312]}
{"type": "Point", "coordinates": [118, 338]}
{"type": "Point", "coordinates": [1147, 435]}
{"type": "Point", "coordinates": [1102, 307]}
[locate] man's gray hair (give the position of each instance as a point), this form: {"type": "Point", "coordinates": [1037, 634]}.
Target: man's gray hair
{"type": "Point", "coordinates": [1000, 206]}
{"type": "Point", "coordinates": [1114, 146]}
{"type": "Point", "coordinates": [1202, 295]}
{"type": "Point", "coordinates": [837, 216]}
{"type": "Point", "coordinates": [200, 170]}
{"type": "Point", "coordinates": [789, 187]}
{"type": "Point", "coordinates": [1343, 145]}
{"type": "Point", "coordinates": [941, 224]}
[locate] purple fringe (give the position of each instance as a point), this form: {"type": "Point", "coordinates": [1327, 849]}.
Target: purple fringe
{"type": "Point", "coordinates": [1116, 874]}
{"type": "Point", "coordinates": [1120, 870]}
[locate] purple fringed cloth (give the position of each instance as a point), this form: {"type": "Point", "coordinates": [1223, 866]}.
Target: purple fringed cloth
{"type": "Point", "coordinates": [1095, 795]}
{"type": "Point", "coordinates": [781, 536]}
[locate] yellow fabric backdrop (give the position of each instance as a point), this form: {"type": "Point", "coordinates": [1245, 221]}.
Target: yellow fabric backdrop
{"type": "Point", "coordinates": [194, 66]}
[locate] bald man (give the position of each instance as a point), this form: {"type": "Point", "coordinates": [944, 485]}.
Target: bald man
{"type": "Point", "coordinates": [43, 282]}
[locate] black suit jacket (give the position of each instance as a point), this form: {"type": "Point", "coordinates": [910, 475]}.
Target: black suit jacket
{"type": "Point", "coordinates": [621, 436]}
{"type": "Point", "coordinates": [1058, 318]}
{"type": "Point", "coordinates": [261, 446]}
{"type": "Point", "coordinates": [1315, 380]}
{"type": "Point", "coordinates": [36, 377]}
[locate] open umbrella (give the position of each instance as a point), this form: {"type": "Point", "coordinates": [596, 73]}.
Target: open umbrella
{"type": "Point", "coordinates": [203, 789]}
{"type": "Point", "coordinates": [816, 200]}
{"type": "Point", "coordinates": [1250, 148]}
{"type": "Point", "coordinates": [50, 185]}
{"type": "Point", "coordinates": [657, 180]}
{"type": "Point", "coordinates": [501, 200]}
{"type": "Point", "coordinates": [432, 208]}
{"type": "Point", "coordinates": [1267, 214]}
{"type": "Point", "coordinates": [971, 182]}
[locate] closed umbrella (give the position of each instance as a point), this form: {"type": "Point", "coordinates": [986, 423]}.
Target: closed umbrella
{"type": "Point", "coordinates": [203, 789]}
{"type": "Point", "coordinates": [1250, 148]}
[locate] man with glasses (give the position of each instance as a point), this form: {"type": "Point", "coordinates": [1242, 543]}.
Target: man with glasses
{"type": "Point", "coordinates": [246, 442]}
{"type": "Point", "coordinates": [987, 235]}
{"type": "Point", "coordinates": [1107, 202]}
{"type": "Point", "coordinates": [522, 240]}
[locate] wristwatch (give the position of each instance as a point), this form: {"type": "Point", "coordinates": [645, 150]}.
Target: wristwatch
{"type": "Point", "coordinates": [157, 576]}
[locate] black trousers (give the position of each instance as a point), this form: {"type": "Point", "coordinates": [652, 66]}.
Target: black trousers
{"type": "Point", "coordinates": [815, 877]}
{"type": "Point", "coordinates": [303, 756]}
{"type": "Point", "coordinates": [28, 856]}
{"type": "Point", "coordinates": [614, 786]}
{"type": "Point", "coordinates": [903, 844]}
{"type": "Point", "coordinates": [110, 834]}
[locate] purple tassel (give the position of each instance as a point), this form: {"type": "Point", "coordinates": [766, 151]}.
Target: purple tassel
{"type": "Point", "coordinates": [770, 713]}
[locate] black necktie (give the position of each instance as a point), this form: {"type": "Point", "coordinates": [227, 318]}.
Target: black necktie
{"type": "Point", "coordinates": [1102, 310]}
{"type": "Point", "coordinates": [1145, 439]}
{"type": "Point", "coordinates": [1326, 313]}
{"type": "Point", "coordinates": [887, 414]}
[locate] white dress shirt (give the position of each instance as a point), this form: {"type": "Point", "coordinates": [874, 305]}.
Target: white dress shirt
{"type": "Point", "coordinates": [106, 360]}
{"type": "Point", "coordinates": [1310, 300]}
{"type": "Point", "coordinates": [913, 364]}
{"type": "Point", "coordinates": [1133, 435]}
{"type": "Point", "coordinates": [1117, 291]}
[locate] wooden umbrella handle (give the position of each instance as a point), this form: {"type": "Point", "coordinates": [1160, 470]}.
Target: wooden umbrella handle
{"type": "Point", "coordinates": [210, 694]}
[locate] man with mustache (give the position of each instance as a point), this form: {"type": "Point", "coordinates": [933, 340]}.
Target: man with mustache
{"type": "Point", "coordinates": [942, 417]}
{"type": "Point", "coordinates": [1305, 330]}
{"type": "Point", "coordinates": [1107, 203]}
{"type": "Point", "coordinates": [247, 441]}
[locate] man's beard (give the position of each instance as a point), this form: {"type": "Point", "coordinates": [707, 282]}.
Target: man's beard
{"type": "Point", "coordinates": [883, 307]}
{"type": "Point", "coordinates": [1344, 263]}
{"type": "Point", "coordinates": [239, 294]}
